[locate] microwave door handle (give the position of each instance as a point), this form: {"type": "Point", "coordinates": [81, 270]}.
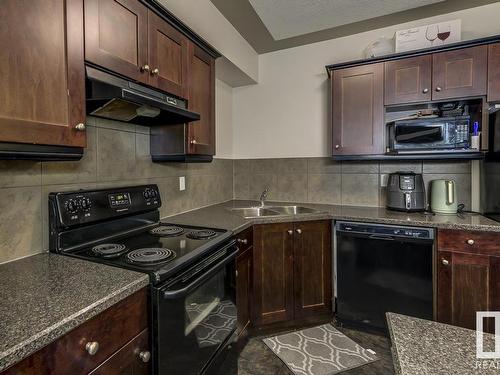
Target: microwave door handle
{"type": "Point", "coordinates": [177, 293]}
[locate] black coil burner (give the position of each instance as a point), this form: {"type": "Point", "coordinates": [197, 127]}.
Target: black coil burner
{"type": "Point", "coordinates": [108, 250]}
{"type": "Point", "coordinates": [148, 256]}
{"type": "Point", "coordinates": [201, 234]}
{"type": "Point", "coordinates": [167, 231]}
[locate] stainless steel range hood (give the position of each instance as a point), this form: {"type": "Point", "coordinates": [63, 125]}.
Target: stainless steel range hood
{"type": "Point", "coordinates": [115, 98]}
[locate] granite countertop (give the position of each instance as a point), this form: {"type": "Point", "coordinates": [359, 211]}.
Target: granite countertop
{"type": "Point", "coordinates": [220, 216]}
{"type": "Point", "coordinates": [424, 347]}
{"type": "Point", "coordinates": [46, 295]}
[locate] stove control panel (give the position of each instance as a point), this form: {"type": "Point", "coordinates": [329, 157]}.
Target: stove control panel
{"type": "Point", "coordinates": [86, 206]}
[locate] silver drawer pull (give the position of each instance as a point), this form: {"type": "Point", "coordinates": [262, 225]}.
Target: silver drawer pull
{"type": "Point", "coordinates": [145, 356]}
{"type": "Point", "coordinates": [92, 347]}
{"type": "Point", "coordinates": [470, 242]}
{"type": "Point", "coordinates": [445, 262]}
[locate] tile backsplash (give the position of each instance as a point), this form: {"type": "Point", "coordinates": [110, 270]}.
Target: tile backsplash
{"type": "Point", "coordinates": [321, 180]}
{"type": "Point", "coordinates": [117, 155]}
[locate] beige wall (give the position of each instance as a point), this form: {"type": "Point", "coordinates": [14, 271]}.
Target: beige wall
{"type": "Point", "coordinates": [286, 113]}
{"type": "Point", "coordinates": [223, 119]}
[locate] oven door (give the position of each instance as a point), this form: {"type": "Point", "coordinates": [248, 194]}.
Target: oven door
{"type": "Point", "coordinates": [421, 135]}
{"type": "Point", "coordinates": [194, 315]}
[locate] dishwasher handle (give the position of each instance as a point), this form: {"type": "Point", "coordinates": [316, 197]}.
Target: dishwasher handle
{"type": "Point", "coordinates": [381, 237]}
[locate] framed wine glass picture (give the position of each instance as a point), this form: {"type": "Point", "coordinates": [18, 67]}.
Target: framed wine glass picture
{"type": "Point", "coordinates": [428, 36]}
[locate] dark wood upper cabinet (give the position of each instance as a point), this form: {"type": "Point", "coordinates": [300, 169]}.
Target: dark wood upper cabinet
{"type": "Point", "coordinates": [273, 273]}
{"type": "Point", "coordinates": [408, 80]}
{"type": "Point", "coordinates": [459, 73]}
{"type": "Point", "coordinates": [168, 56]}
{"type": "Point", "coordinates": [358, 110]}
{"type": "Point", "coordinates": [494, 72]}
{"type": "Point", "coordinates": [312, 263]}
{"type": "Point", "coordinates": [468, 276]}
{"type": "Point", "coordinates": [116, 37]}
{"type": "Point", "coordinates": [201, 99]}
{"type": "Point", "coordinates": [43, 78]}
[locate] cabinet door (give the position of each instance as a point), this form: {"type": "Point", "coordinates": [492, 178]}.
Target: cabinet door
{"type": "Point", "coordinates": [494, 72]}
{"type": "Point", "coordinates": [358, 110]}
{"type": "Point", "coordinates": [201, 134]}
{"type": "Point", "coordinates": [116, 36]}
{"type": "Point", "coordinates": [243, 288]}
{"type": "Point", "coordinates": [312, 268]}
{"type": "Point", "coordinates": [459, 73]}
{"type": "Point", "coordinates": [466, 283]}
{"type": "Point", "coordinates": [408, 80]}
{"type": "Point", "coordinates": [273, 273]}
{"type": "Point", "coordinates": [43, 78]}
{"type": "Point", "coordinates": [132, 359]}
{"type": "Point", "coordinates": [168, 56]}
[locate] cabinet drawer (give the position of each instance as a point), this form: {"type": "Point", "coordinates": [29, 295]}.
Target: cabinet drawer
{"type": "Point", "coordinates": [245, 239]}
{"type": "Point", "coordinates": [134, 358]}
{"type": "Point", "coordinates": [487, 243]}
{"type": "Point", "coordinates": [111, 329]}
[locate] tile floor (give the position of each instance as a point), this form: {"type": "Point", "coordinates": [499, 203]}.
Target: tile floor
{"type": "Point", "coordinates": [255, 358]}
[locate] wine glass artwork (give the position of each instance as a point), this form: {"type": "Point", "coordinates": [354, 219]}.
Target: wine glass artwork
{"type": "Point", "coordinates": [431, 34]}
{"type": "Point", "coordinates": [444, 33]}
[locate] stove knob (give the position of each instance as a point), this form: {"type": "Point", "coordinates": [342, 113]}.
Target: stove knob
{"type": "Point", "coordinates": [85, 204]}
{"type": "Point", "coordinates": [146, 194]}
{"type": "Point", "coordinates": [71, 206]}
{"type": "Point", "coordinates": [153, 193]}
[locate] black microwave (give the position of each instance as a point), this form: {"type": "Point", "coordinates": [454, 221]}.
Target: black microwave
{"type": "Point", "coordinates": [432, 134]}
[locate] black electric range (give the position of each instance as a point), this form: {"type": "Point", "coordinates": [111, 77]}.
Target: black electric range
{"type": "Point", "coordinates": [191, 269]}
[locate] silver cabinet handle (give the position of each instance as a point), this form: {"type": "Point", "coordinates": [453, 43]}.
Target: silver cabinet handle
{"type": "Point", "coordinates": [155, 71]}
{"type": "Point", "coordinates": [193, 142]}
{"type": "Point", "coordinates": [445, 262]}
{"type": "Point", "coordinates": [471, 242]}
{"type": "Point", "coordinates": [337, 147]}
{"type": "Point", "coordinates": [438, 88]}
{"type": "Point", "coordinates": [80, 127]}
{"type": "Point", "coordinates": [92, 347]}
{"type": "Point", "coordinates": [425, 91]}
{"type": "Point", "coordinates": [299, 231]}
{"type": "Point", "coordinates": [243, 241]}
{"type": "Point", "coordinates": [145, 356]}
{"type": "Point", "coordinates": [290, 231]}
{"type": "Point", "coordinates": [145, 68]}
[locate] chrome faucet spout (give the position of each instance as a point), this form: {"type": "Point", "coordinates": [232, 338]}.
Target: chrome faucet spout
{"type": "Point", "coordinates": [263, 197]}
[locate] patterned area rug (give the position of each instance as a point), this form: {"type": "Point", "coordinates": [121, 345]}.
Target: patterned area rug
{"type": "Point", "coordinates": [319, 351]}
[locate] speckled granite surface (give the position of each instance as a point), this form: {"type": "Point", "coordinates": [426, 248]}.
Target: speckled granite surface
{"type": "Point", "coordinates": [46, 295]}
{"type": "Point", "coordinates": [220, 216]}
{"type": "Point", "coordinates": [423, 347]}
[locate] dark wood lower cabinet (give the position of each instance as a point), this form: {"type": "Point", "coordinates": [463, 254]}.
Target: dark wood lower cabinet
{"type": "Point", "coordinates": [132, 359]}
{"type": "Point", "coordinates": [292, 271]}
{"type": "Point", "coordinates": [468, 277]}
{"type": "Point", "coordinates": [273, 273]}
{"type": "Point", "coordinates": [244, 288]}
{"type": "Point", "coordinates": [120, 333]}
{"type": "Point", "coordinates": [312, 254]}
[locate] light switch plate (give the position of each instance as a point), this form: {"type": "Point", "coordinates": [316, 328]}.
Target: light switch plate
{"type": "Point", "coordinates": [182, 183]}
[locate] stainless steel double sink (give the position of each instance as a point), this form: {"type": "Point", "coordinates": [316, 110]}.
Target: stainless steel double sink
{"type": "Point", "coordinates": [253, 212]}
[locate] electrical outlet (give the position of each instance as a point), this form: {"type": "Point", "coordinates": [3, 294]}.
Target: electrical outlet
{"type": "Point", "coordinates": [182, 183]}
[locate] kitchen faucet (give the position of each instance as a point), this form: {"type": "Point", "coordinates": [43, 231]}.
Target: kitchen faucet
{"type": "Point", "coordinates": [263, 197]}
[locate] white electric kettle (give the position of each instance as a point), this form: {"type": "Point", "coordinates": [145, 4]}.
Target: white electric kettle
{"type": "Point", "coordinates": [444, 197]}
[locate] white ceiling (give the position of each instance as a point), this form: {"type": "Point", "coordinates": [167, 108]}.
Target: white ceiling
{"type": "Point", "coordinates": [289, 18]}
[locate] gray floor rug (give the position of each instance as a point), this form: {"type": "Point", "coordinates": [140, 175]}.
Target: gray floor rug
{"type": "Point", "coordinates": [319, 350]}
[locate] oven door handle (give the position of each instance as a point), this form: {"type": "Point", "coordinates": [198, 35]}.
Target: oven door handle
{"type": "Point", "coordinates": [171, 294]}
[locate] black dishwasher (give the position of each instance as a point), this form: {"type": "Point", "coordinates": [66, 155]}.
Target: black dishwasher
{"type": "Point", "coordinates": [383, 268]}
